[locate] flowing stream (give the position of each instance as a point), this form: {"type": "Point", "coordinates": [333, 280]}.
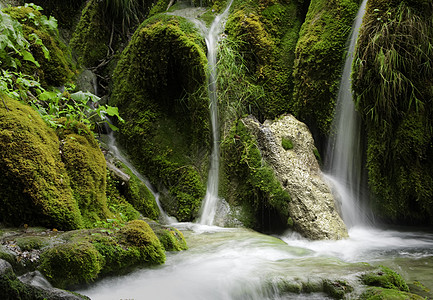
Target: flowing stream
{"type": "Point", "coordinates": [236, 263]}
{"type": "Point", "coordinates": [344, 157]}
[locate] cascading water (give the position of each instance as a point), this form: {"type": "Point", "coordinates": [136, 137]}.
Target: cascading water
{"type": "Point", "coordinates": [112, 146]}
{"type": "Point", "coordinates": [344, 157]}
{"type": "Point", "coordinates": [210, 201]}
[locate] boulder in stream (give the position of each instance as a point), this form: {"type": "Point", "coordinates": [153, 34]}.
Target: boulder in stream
{"type": "Point", "coordinates": [287, 148]}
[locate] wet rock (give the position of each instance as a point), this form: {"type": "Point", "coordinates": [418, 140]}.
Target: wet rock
{"type": "Point", "coordinates": [287, 145]}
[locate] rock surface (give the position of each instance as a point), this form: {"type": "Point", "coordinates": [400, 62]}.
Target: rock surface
{"type": "Point", "coordinates": [312, 207]}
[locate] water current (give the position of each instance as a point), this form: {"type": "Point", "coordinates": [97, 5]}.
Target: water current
{"type": "Point", "coordinates": [236, 263]}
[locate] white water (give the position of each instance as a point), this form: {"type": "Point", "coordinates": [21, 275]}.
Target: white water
{"type": "Point", "coordinates": [164, 218]}
{"type": "Point", "coordinates": [344, 157]}
{"type": "Point", "coordinates": [210, 202]}
{"type": "Point", "coordinates": [226, 263]}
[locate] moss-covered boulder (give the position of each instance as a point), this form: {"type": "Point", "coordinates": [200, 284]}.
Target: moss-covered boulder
{"type": "Point", "coordinates": [160, 89]}
{"type": "Point", "coordinates": [265, 34]}
{"type": "Point", "coordinates": [319, 55]}
{"type": "Point", "coordinates": [55, 68]}
{"type": "Point", "coordinates": [86, 168]}
{"type": "Point", "coordinates": [84, 255]}
{"type": "Point", "coordinates": [394, 93]}
{"type": "Point", "coordinates": [385, 284]}
{"type": "Point", "coordinates": [35, 186]}
{"type": "Point", "coordinates": [104, 25]}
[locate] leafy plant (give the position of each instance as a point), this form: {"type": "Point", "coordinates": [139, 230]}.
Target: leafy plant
{"type": "Point", "coordinates": [55, 104]}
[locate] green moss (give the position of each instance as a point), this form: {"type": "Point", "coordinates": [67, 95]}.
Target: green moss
{"type": "Point", "coordinates": [286, 143]}
{"type": "Point", "coordinates": [386, 278]}
{"type": "Point", "coordinates": [167, 120]}
{"type": "Point", "coordinates": [337, 289]}
{"type": "Point", "coordinates": [171, 238]}
{"type": "Point", "coordinates": [27, 243]}
{"type": "Point", "coordinates": [34, 184]}
{"type": "Point", "coordinates": [395, 100]}
{"type": "Point", "coordinates": [319, 53]}
{"type": "Point", "coordinates": [385, 294]}
{"type": "Point", "coordinates": [86, 167]}
{"type": "Point", "coordinates": [251, 183]}
{"type": "Point", "coordinates": [92, 35]}
{"type": "Point", "coordinates": [138, 234]}
{"type": "Point", "coordinates": [86, 255]}
{"type": "Point", "coordinates": [266, 35]}
{"type": "Point", "coordinates": [71, 263]}
{"type": "Point", "coordinates": [56, 70]}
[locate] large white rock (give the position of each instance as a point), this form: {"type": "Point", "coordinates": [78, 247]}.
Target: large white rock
{"type": "Point", "coordinates": [312, 207]}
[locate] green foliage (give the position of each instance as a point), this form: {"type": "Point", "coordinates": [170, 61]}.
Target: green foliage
{"type": "Point", "coordinates": [76, 107]}
{"type": "Point", "coordinates": [286, 143]}
{"type": "Point", "coordinates": [251, 183]}
{"type": "Point", "coordinates": [393, 93]}
{"type": "Point", "coordinates": [266, 35]}
{"type": "Point", "coordinates": [50, 58]}
{"type": "Point", "coordinates": [319, 55]}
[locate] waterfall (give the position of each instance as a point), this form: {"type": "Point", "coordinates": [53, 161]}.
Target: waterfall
{"type": "Point", "coordinates": [112, 146]}
{"type": "Point", "coordinates": [210, 201]}
{"type": "Point", "coordinates": [344, 157]}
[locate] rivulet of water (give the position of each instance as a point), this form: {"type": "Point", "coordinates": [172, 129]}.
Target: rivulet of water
{"type": "Point", "coordinates": [112, 146]}
{"type": "Point", "coordinates": [344, 156]}
{"type": "Point", "coordinates": [210, 201]}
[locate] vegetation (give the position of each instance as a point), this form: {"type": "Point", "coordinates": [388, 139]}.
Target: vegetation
{"type": "Point", "coordinates": [167, 127]}
{"type": "Point", "coordinates": [266, 34]}
{"type": "Point", "coordinates": [391, 71]}
{"type": "Point", "coordinates": [319, 55]}
{"type": "Point", "coordinates": [251, 184]}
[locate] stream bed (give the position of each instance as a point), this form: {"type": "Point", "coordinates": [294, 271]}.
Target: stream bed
{"type": "Point", "coordinates": [235, 263]}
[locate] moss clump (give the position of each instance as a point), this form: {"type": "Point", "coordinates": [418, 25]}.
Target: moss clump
{"type": "Point", "coordinates": [27, 243]}
{"type": "Point", "coordinates": [92, 35]}
{"type": "Point", "coordinates": [392, 63]}
{"type": "Point", "coordinates": [157, 87]}
{"type": "Point", "coordinates": [55, 70]}
{"type": "Point", "coordinates": [86, 255]}
{"type": "Point", "coordinates": [337, 289]}
{"type": "Point", "coordinates": [139, 235]}
{"type": "Point", "coordinates": [266, 33]}
{"type": "Point", "coordinates": [171, 238]}
{"type": "Point", "coordinates": [250, 183]}
{"type": "Point", "coordinates": [385, 294]}
{"type": "Point", "coordinates": [286, 143]}
{"type": "Point", "coordinates": [71, 263]}
{"type": "Point", "coordinates": [386, 278]}
{"type": "Point", "coordinates": [35, 187]}
{"type": "Point", "coordinates": [86, 167]}
{"type": "Point", "coordinates": [319, 53]}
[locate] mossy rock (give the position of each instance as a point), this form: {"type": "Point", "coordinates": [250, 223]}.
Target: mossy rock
{"type": "Point", "coordinates": [71, 263]}
{"type": "Point", "coordinates": [250, 183]}
{"type": "Point", "coordinates": [394, 99]}
{"type": "Point", "coordinates": [319, 53]}
{"type": "Point", "coordinates": [337, 289]}
{"type": "Point", "coordinates": [92, 35]}
{"type": "Point", "coordinates": [56, 70]}
{"type": "Point", "coordinates": [265, 34]}
{"type": "Point", "coordinates": [386, 278]}
{"type": "Point", "coordinates": [85, 255]}
{"type": "Point", "coordinates": [35, 187]}
{"type": "Point", "coordinates": [86, 167]}
{"type": "Point", "coordinates": [387, 294]}
{"type": "Point", "coordinates": [157, 87]}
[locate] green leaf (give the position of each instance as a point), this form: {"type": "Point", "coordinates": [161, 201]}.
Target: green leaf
{"type": "Point", "coordinates": [29, 57]}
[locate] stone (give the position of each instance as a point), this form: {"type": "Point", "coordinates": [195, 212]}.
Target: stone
{"type": "Point", "coordinates": [312, 207]}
